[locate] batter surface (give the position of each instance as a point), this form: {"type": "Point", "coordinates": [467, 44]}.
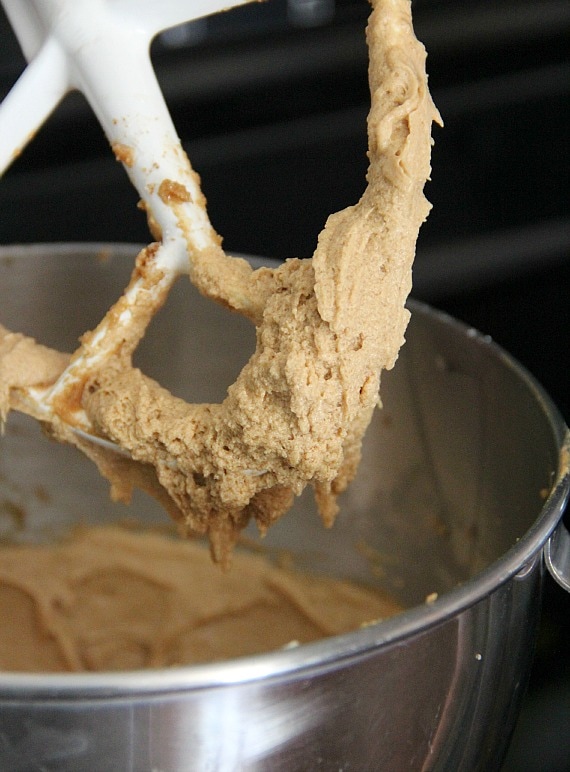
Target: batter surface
{"type": "Point", "coordinates": [113, 599]}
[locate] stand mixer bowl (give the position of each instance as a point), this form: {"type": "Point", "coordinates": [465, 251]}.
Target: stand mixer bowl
{"type": "Point", "coordinates": [462, 486]}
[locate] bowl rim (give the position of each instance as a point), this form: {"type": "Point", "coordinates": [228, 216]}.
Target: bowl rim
{"type": "Point", "coordinates": [329, 652]}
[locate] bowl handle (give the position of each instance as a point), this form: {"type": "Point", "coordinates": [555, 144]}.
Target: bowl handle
{"type": "Point", "coordinates": [557, 556]}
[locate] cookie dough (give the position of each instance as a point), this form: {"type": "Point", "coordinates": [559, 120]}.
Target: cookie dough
{"type": "Point", "coordinates": [113, 599]}
{"type": "Point", "coordinates": [326, 329]}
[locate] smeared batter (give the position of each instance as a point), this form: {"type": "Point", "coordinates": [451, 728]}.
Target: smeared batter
{"type": "Point", "coordinates": [110, 599]}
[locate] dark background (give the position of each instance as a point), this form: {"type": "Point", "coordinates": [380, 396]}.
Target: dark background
{"type": "Point", "coordinates": [270, 101]}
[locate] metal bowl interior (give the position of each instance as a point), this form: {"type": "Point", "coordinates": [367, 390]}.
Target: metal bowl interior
{"type": "Point", "coordinates": [462, 481]}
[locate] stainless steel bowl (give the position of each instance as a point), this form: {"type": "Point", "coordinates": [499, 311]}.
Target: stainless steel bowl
{"type": "Point", "coordinates": [461, 491]}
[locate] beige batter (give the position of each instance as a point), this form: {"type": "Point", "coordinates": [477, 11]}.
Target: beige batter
{"type": "Point", "coordinates": [326, 328]}
{"type": "Point", "coordinates": [111, 599]}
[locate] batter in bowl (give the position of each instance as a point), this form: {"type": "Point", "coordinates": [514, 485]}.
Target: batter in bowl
{"type": "Point", "coordinates": [110, 598]}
